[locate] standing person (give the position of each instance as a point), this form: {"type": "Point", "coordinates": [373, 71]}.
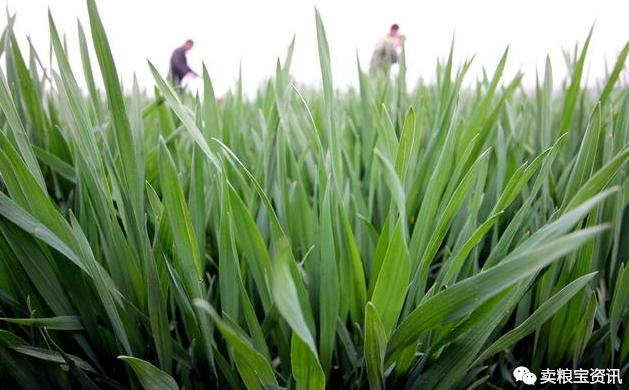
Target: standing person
{"type": "Point", "coordinates": [385, 54]}
{"type": "Point", "coordinates": [179, 63]}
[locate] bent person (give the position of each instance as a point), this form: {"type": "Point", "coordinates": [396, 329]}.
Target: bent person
{"type": "Point", "coordinates": [385, 54]}
{"type": "Point", "coordinates": [179, 63]}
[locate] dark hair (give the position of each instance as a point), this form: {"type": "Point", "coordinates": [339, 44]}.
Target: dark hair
{"type": "Point", "coordinates": [395, 27]}
{"type": "Point", "coordinates": [190, 42]}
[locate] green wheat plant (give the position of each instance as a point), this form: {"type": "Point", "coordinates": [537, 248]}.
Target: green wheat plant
{"type": "Point", "coordinates": [386, 237]}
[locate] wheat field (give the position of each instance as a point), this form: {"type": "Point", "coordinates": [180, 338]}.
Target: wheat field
{"type": "Point", "coordinates": [383, 237]}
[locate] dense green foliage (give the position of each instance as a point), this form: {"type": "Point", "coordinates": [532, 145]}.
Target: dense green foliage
{"type": "Point", "coordinates": [304, 238]}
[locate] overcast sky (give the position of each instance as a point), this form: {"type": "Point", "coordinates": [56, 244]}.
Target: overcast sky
{"type": "Point", "coordinates": [255, 33]}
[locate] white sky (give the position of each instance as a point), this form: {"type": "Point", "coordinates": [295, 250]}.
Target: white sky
{"type": "Point", "coordinates": [257, 32]}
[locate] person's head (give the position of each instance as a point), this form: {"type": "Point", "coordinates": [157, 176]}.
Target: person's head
{"type": "Point", "coordinates": [394, 29]}
{"type": "Point", "coordinates": [188, 45]}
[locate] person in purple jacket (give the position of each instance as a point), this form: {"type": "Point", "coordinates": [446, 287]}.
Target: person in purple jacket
{"type": "Point", "coordinates": [179, 63]}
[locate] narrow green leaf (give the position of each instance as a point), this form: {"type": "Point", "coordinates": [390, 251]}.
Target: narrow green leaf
{"type": "Point", "coordinates": [538, 318]}
{"type": "Point", "coordinates": [54, 323]}
{"type": "Point", "coordinates": [255, 370]}
{"type": "Point", "coordinates": [150, 376]}
{"type": "Point", "coordinates": [392, 283]}
{"type": "Point", "coordinates": [375, 346]}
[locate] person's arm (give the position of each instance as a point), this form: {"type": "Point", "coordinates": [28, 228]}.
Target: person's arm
{"type": "Point", "coordinates": [188, 70]}
{"type": "Point", "coordinates": [182, 68]}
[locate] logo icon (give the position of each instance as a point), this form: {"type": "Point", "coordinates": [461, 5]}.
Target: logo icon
{"type": "Point", "coordinates": [523, 374]}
